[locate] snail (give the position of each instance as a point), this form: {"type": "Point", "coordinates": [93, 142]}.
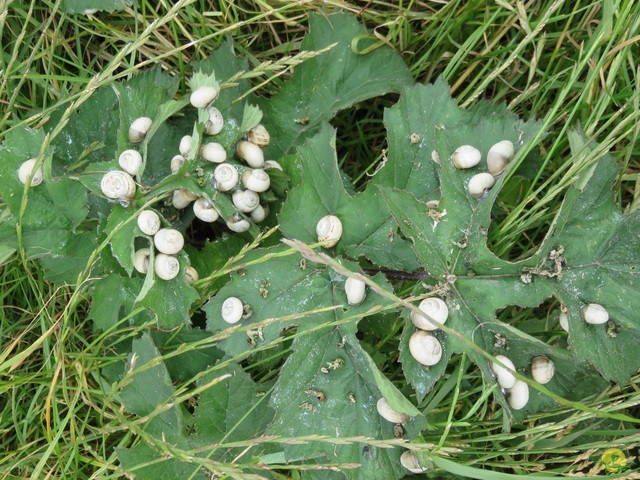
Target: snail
{"type": "Point", "coordinates": [25, 171]}
{"type": "Point", "coordinates": [237, 223]}
{"type": "Point", "coordinates": [245, 200]}
{"type": "Point", "coordinates": [139, 128]}
{"type": "Point", "coordinates": [130, 161]}
{"type": "Point", "coordinates": [166, 267]}
{"type": "Point", "coordinates": [435, 308]}
{"type": "Point", "coordinates": [506, 379]}
{"type": "Point", "coordinates": [329, 230]}
{"type": "Point", "coordinates": [232, 310]}
{"type": "Point", "coordinates": [180, 200]}
{"type": "Point", "coordinates": [259, 136]}
{"type": "Point", "coordinates": [149, 222]}
{"type": "Point", "coordinates": [168, 241]}
{"type": "Point", "coordinates": [225, 176]}
{"type": "Point", "coordinates": [214, 125]}
{"type": "Point", "coordinates": [518, 395]}
{"type": "Point", "coordinates": [272, 164]}
{"type": "Point", "coordinates": [563, 319]}
{"type": "Point", "coordinates": [176, 162]}
{"type": "Point", "coordinates": [433, 204]}
{"type": "Point", "coordinates": [594, 314]}
{"type": "Point", "coordinates": [466, 156]}
{"type": "Point", "coordinates": [191, 275]}
{"type": "Point", "coordinates": [480, 183]}
{"type": "Point", "coordinates": [409, 461]}
{"type": "Point", "coordinates": [542, 369]}
{"type": "Point", "coordinates": [355, 290]}
{"type": "Point", "coordinates": [435, 157]}
{"type": "Point", "coordinates": [250, 153]}
{"type": "Point", "coordinates": [141, 260]}
{"type": "Point", "coordinates": [425, 348]}
{"type": "Point", "coordinates": [205, 210]}
{"type": "Point", "coordinates": [203, 96]}
{"type": "Point", "coordinates": [260, 213]}
{"type": "Point", "coordinates": [499, 157]}
{"type": "Point", "coordinates": [185, 145]}
{"type": "Point", "coordinates": [256, 179]}
{"type": "Point", "coordinates": [389, 414]}
{"type": "Point", "coordinates": [117, 184]}
{"type": "Point", "coordinates": [213, 152]}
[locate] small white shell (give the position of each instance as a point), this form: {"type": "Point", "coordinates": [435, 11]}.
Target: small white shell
{"type": "Point", "coordinates": [329, 230]}
{"type": "Point", "coordinates": [259, 136]}
{"type": "Point", "coordinates": [185, 145]}
{"type": "Point", "coordinates": [499, 157]}
{"type": "Point", "coordinates": [203, 96]}
{"type": "Point", "coordinates": [256, 179]}
{"type": "Point", "coordinates": [433, 204]}
{"type": "Point", "coordinates": [519, 395]}
{"type": "Point", "coordinates": [506, 379]}
{"type": "Point", "coordinates": [205, 210]}
{"type": "Point", "coordinates": [232, 310]}
{"type": "Point", "coordinates": [480, 183]}
{"type": "Point", "coordinates": [425, 348]}
{"type": "Point", "coordinates": [355, 290]}
{"type": "Point", "coordinates": [245, 200]}
{"type": "Point", "coordinates": [542, 369]}
{"type": "Point", "coordinates": [179, 200]}
{"type": "Point", "coordinates": [141, 260]}
{"type": "Point", "coordinates": [226, 177]}
{"type": "Point", "coordinates": [594, 314]}
{"type": "Point", "coordinates": [272, 164]}
{"type": "Point", "coordinates": [149, 222]}
{"type": "Point", "coordinates": [213, 152]}
{"type": "Point", "coordinates": [168, 240]}
{"type": "Point", "coordinates": [139, 128]}
{"type": "Point", "coordinates": [191, 275]}
{"type": "Point", "coordinates": [250, 153]}
{"type": "Point", "coordinates": [237, 224]}
{"type": "Point", "coordinates": [25, 170]}
{"type": "Point", "coordinates": [436, 308]}
{"type": "Point", "coordinates": [466, 156]}
{"type": "Point", "coordinates": [389, 414]}
{"type": "Point", "coordinates": [409, 461]}
{"type": "Point", "coordinates": [166, 267]}
{"type": "Point", "coordinates": [435, 157]}
{"type": "Point", "coordinates": [563, 319]}
{"type": "Point", "coordinates": [214, 125]}
{"type": "Point", "coordinates": [260, 213]}
{"type": "Point", "coordinates": [117, 184]}
{"type": "Point", "coordinates": [130, 161]}
{"type": "Point", "coordinates": [176, 162]}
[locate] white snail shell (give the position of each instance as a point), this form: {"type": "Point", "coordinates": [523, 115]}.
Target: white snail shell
{"type": "Point", "coordinates": [226, 176]}
{"type": "Point", "coordinates": [180, 200]}
{"type": "Point", "coordinates": [237, 224]}
{"type": "Point", "coordinates": [214, 125]}
{"type": "Point", "coordinates": [177, 162]}
{"type": "Point", "coordinates": [272, 164]}
{"type": "Point", "coordinates": [506, 379]}
{"type": "Point", "coordinates": [185, 145]}
{"type": "Point", "coordinates": [563, 319]}
{"type": "Point", "coordinates": [260, 213]}
{"type": "Point", "coordinates": [499, 157]}
{"type": "Point", "coordinates": [130, 161]}
{"type": "Point", "coordinates": [232, 310]}
{"type": "Point", "coordinates": [480, 183]}
{"type": "Point", "coordinates": [250, 153]}
{"type": "Point", "coordinates": [203, 96]}
{"type": "Point", "coordinates": [117, 184]}
{"type": "Point", "coordinates": [435, 157]}
{"type": "Point", "coordinates": [141, 260]}
{"type": "Point", "coordinates": [168, 240]}
{"type": "Point", "coordinates": [466, 156]}
{"type": "Point", "coordinates": [259, 136]}
{"type": "Point", "coordinates": [409, 461]}
{"type": "Point", "coordinates": [245, 200]}
{"type": "Point", "coordinates": [166, 267]}
{"type": "Point", "coordinates": [433, 204]}
{"type": "Point", "coordinates": [518, 395]}
{"type": "Point", "coordinates": [329, 230]}
{"type": "Point", "coordinates": [139, 128]}
{"type": "Point", "coordinates": [191, 275]}
{"type": "Point", "coordinates": [542, 369]}
{"type": "Point", "coordinates": [594, 314]}
{"type": "Point", "coordinates": [355, 290]}
{"type": "Point", "coordinates": [149, 222]}
{"type": "Point", "coordinates": [213, 152]}
{"type": "Point", "coordinates": [256, 179]}
{"type": "Point", "coordinates": [425, 348]}
{"type": "Point", "coordinates": [389, 414]}
{"type": "Point", "coordinates": [436, 308]}
{"type": "Point", "coordinates": [25, 170]}
{"type": "Point", "coordinates": [205, 210]}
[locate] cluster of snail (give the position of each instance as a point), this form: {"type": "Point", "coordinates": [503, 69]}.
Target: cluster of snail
{"type": "Point", "coordinates": [591, 313]}
{"type": "Point", "coordinates": [498, 158]}
{"type": "Point", "coordinates": [425, 347]}
{"type": "Point", "coordinates": [542, 371]}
